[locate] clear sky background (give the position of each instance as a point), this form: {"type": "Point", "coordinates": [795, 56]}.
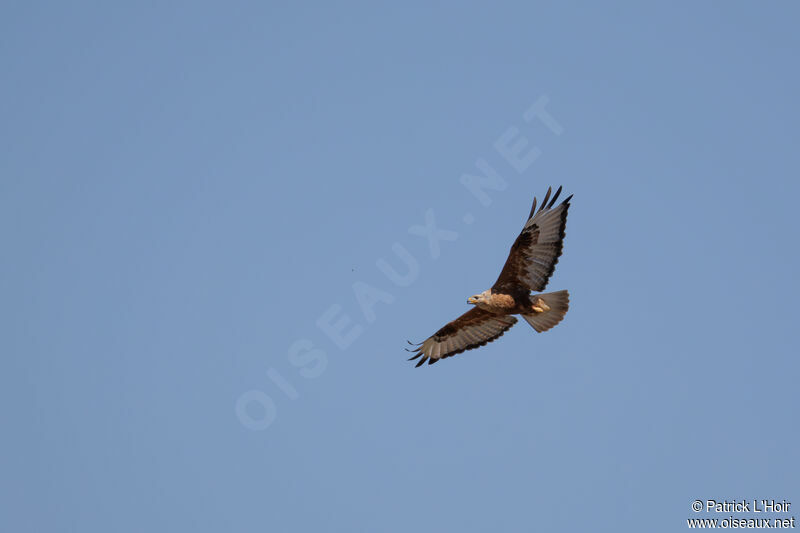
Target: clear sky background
{"type": "Point", "coordinates": [186, 188]}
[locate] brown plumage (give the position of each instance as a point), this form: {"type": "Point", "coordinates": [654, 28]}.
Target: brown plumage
{"type": "Point", "coordinates": [530, 264]}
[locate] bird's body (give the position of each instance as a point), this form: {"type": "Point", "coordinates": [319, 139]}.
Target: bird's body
{"type": "Point", "coordinates": [530, 264]}
{"type": "Point", "coordinates": [514, 302]}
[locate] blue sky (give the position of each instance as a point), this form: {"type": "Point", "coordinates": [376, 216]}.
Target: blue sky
{"type": "Point", "coordinates": [187, 190]}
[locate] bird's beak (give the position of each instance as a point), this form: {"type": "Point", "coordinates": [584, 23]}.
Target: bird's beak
{"type": "Point", "coordinates": [472, 300]}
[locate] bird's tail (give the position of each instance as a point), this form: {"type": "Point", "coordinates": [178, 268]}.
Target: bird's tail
{"type": "Point", "coordinates": [549, 311]}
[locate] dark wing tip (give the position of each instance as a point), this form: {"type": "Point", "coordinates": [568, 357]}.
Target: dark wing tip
{"type": "Point", "coordinates": [548, 202]}
{"type": "Point", "coordinates": [546, 198]}
{"type": "Point", "coordinates": [413, 344]}
{"type": "Point", "coordinates": [555, 197]}
{"type": "Point", "coordinates": [416, 355]}
{"type": "Point", "coordinates": [533, 209]}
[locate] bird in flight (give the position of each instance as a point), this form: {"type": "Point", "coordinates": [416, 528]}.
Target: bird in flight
{"type": "Point", "coordinates": [530, 264]}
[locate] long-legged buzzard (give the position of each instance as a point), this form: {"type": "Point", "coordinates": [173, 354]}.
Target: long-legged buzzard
{"type": "Point", "coordinates": [530, 264]}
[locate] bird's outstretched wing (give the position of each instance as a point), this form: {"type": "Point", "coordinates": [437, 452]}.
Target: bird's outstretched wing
{"type": "Point", "coordinates": [474, 328]}
{"type": "Point", "coordinates": [534, 254]}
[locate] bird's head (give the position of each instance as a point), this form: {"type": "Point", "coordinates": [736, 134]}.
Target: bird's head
{"type": "Point", "coordinates": [479, 298]}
